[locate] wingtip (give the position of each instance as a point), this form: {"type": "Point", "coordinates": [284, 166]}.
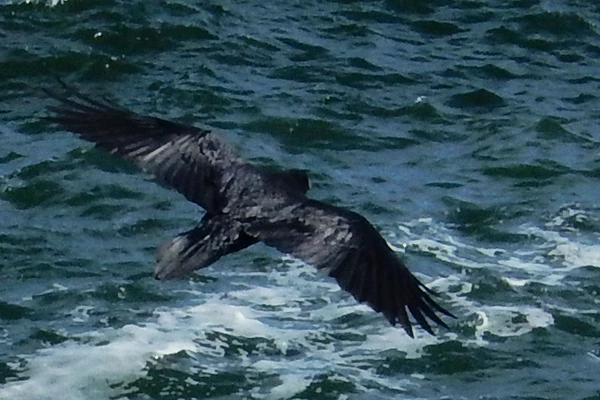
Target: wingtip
{"type": "Point", "coordinates": [404, 323]}
{"type": "Point", "coordinates": [409, 331]}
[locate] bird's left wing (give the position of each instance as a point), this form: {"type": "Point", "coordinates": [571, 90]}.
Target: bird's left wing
{"type": "Point", "coordinates": [351, 250]}
{"type": "Point", "coordinates": [187, 158]}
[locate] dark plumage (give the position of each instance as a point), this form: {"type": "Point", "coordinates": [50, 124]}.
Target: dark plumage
{"type": "Point", "coordinates": [246, 204]}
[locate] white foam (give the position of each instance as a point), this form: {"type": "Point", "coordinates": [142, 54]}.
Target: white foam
{"type": "Point", "coordinates": [518, 269]}
{"type": "Point", "coordinates": [279, 296]}
{"type": "Point", "coordinates": [546, 263]}
{"type": "Point", "coordinates": [75, 370]}
{"type": "Point", "coordinates": [506, 321]}
{"type": "Point", "coordinates": [571, 254]}
{"type": "Point", "coordinates": [290, 384]}
{"type": "Point", "coordinates": [297, 308]}
{"type": "Point", "coordinates": [87, 368]}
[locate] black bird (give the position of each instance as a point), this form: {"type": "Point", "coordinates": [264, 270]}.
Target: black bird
{"type": "Point", "coordinates": [246, 204]}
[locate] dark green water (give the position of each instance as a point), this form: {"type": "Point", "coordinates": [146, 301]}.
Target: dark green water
{"type": "Point", "coordinates": [467, 131]}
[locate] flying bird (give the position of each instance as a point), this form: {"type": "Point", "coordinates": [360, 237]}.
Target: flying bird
{"type": "Point", "coordinates": [246, 204]}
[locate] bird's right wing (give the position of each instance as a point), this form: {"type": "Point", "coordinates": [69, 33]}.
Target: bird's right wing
{"type": "Point", "coordinates": [187, 158]}
{"type": "Point", "coordinates": [351, 250]}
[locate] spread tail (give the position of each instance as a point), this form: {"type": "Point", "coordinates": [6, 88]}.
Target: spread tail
{"type": "Point", "coordinates": [198, 248]}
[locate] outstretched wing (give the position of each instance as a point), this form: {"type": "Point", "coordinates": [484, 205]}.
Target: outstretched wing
{"type": "Point", "coordinates": [189, 159]}
{"type": "Point", "coordinates": [351, 250]}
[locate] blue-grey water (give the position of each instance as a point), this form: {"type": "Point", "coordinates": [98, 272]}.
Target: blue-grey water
{"type": "Point", "coordinates": [466, 131]}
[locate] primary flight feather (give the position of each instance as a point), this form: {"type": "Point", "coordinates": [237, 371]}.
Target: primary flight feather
{"type": "Point", "coordinates": [246, 204]}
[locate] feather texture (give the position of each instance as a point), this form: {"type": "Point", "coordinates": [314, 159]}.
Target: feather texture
{"type": "Point", "coordinates": [246, 204]}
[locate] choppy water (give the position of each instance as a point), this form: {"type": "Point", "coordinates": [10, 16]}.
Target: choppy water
{"type": "Point", "coordinates": [467, 131]}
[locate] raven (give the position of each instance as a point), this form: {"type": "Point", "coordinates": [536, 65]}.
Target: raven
{"type": "Point", "coordinates": [246, 204]}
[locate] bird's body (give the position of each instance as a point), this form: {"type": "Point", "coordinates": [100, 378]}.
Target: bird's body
{"type": "Point", "coordinates": [246, 204]}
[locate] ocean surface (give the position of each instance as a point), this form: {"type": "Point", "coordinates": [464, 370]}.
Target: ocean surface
{"type": "Point", "coordinates": [467, 131]}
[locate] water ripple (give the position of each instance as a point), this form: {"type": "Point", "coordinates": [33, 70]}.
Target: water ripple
{"type": "Point", "coordinates": [466, 131]}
